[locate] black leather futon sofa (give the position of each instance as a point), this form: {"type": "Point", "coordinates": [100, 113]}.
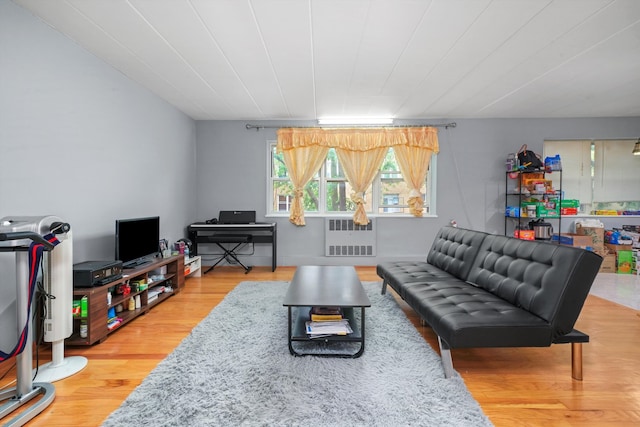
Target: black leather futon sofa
{"type": "Point", "coordinates": [481, 290]}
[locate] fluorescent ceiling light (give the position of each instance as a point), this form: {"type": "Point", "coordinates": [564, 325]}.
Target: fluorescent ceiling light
{"type": "Point", "coordinates": [356, 121]}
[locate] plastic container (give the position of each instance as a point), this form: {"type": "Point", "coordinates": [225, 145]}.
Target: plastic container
{"type": "Point", "coordinates": [552, 163]}
{"type": "Point", "coordinates": [511, 163]}
{"type": "Point", "coordinates": [84, 329]}
{"type": "Point", "coordinates": [557, 163]}
{"type": "Point", "coordinates": [84, 306]}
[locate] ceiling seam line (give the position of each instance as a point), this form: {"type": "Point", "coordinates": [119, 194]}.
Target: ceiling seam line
{"type": "Point", "coordinates": [224, 55]}
{"type": "Point", "coordinates": [175, 51]}
{"type": "Point", "coordinates": [123, 47]}
{"type": "Point", "coordinates": [563, 63]}
{"type": "Point", "coordinates": [313, 61]}
{"type": "Point", "coordinates": [424, 78]}
{"type": "Point", "coordinates": [264, 45]}
{"type": "Point", "coordinates": [487, 56]}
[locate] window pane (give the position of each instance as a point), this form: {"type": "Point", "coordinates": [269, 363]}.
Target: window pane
{"type": "Point", "coordinates": [338, 197]}
{"type": "Point", "coordinates": [332, 165]}
{"type": "Point", "coordinates": [311, 200]}
{"type": "Point", "coordinates": [278, 168]}
{"type": "Point", "coordinates": [281, 190]}
{"type": "Point", "coordinates": [389, 165]}
{"type": "Point", "coordinates": [616, 173]}
{"type": "Point", "coordinates": [283, 196]}
{"type": "Point", "coordinates": [394, 192]}
{"type": "Point", "coordinates": [284, 203]}
{"type": "Point", "coordinates": [389, 200]}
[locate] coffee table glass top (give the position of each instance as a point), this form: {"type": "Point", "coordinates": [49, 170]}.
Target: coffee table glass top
{"type": "Point", "coordinates": [333, 286]}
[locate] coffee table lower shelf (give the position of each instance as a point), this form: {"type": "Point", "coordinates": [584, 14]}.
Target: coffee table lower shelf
{"type": "Point", "coordinates": [297, 333]}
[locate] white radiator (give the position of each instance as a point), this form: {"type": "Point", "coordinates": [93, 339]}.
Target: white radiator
{"type": "Point", "coordinates": [343, 238]}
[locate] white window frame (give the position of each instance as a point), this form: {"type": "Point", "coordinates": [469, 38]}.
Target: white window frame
{"type": "Point", "coordinates": [375, 193]}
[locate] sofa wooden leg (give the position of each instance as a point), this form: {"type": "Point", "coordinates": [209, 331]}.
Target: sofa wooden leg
{"type": "Point", "coordinates": [445, 357]}
{"type": "Point", "coordinates": [576, 361]}
{"type": "Point", "coordinates": [384, 288]}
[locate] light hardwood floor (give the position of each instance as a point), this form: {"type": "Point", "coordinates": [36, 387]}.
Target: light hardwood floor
{"type": "Point", "coordinates": [514, 386]}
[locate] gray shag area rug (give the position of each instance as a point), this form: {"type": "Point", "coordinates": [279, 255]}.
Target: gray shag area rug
{"type": "Point", "coordinates": [235, 369]}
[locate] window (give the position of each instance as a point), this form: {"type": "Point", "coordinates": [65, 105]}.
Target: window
{"type": "Point", "coordinates": [601, 174]}
{"type": "Point", "coordinates": [330, 193]}
{"type": "Point", "coordinates": [390, 200]}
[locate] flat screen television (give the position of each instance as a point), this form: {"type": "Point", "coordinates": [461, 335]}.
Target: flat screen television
{"type": "Point", "coordinates": [137, 240]}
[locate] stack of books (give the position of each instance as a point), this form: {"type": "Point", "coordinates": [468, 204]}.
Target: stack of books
{"type": "Point", "coordinates": [327, 321]}
{"type": "Point", "coordinates": [325, 314]}
{"type": "Point", "coordinates": [113, 322]}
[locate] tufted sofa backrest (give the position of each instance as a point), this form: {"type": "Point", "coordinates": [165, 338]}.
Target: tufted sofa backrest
{"type": "Point", "coordinates": [549, 280]}
{"type": "Point", "coordinates": [454, 250]}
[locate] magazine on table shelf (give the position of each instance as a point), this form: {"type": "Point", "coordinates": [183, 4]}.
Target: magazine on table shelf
{"type": "Point", "coordinates": [323, 329]}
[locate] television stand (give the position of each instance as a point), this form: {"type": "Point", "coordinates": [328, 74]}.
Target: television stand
{"type": "Point", "coordinates": [134, 264]}
{"type": "Point", "coordinates": [97, 321]}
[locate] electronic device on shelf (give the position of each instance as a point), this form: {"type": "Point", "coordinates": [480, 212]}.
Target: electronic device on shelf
{"type": "Point", "coordinates": [96, 273]}
{"type": "Point", "coordinates": [137, 240]}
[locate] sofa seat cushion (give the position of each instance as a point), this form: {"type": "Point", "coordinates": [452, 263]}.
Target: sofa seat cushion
{"type": "Point", "coordinates": [549, 280]}
{"type": "Point", "coordinates": [400, 274]}
{"type": "Point", "coordinates": [466, 316]}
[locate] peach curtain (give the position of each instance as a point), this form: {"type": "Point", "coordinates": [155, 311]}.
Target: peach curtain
{"type": "Point", "coordinates": [302, 163]}
{"type": "Point", "coordinates": [414, 165]}
{"type": "Point", "coordinates": [361, 148]}
{"type": "Point", "coordinates": [360, 167]}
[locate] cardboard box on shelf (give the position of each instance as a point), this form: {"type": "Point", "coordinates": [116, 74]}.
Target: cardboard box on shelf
{"type": "Point", "coordinates": [574, 240]}
{"type": "Point", "coordinates": [608, 264]}
{"type": "Point", "coordinates": [617, 248]}
{"type": "Point", "coordinates": [596, 232]}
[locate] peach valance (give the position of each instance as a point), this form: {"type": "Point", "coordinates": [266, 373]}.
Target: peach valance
{"type": "Point", "coordinates": [358, 139]}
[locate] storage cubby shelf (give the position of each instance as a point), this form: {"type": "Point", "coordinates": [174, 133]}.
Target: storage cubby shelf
{"type": "Point", "coordinates": [98, 306]}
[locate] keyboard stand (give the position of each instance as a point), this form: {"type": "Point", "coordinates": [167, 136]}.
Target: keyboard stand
{"type": "Point", "coordinates": [238, 240]}
{"type": "Point", "coordinates": [261, 232]}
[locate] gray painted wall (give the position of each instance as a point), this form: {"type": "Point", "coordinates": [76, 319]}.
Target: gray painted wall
{"type": "Point", "coordinates": [232, 170]}
{"type": "Point", "coordinates": [79, 140]}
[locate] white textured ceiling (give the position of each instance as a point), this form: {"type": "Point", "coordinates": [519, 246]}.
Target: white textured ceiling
{"type": "Point", "coordinates": [407, 59]}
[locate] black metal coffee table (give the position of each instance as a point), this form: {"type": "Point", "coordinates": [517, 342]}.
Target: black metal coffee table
{"type": "Point", "coordinates": [325, 286]}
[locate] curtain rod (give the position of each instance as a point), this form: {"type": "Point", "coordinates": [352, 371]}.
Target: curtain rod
{"type": "Point", "coordinates": [439, 125]}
